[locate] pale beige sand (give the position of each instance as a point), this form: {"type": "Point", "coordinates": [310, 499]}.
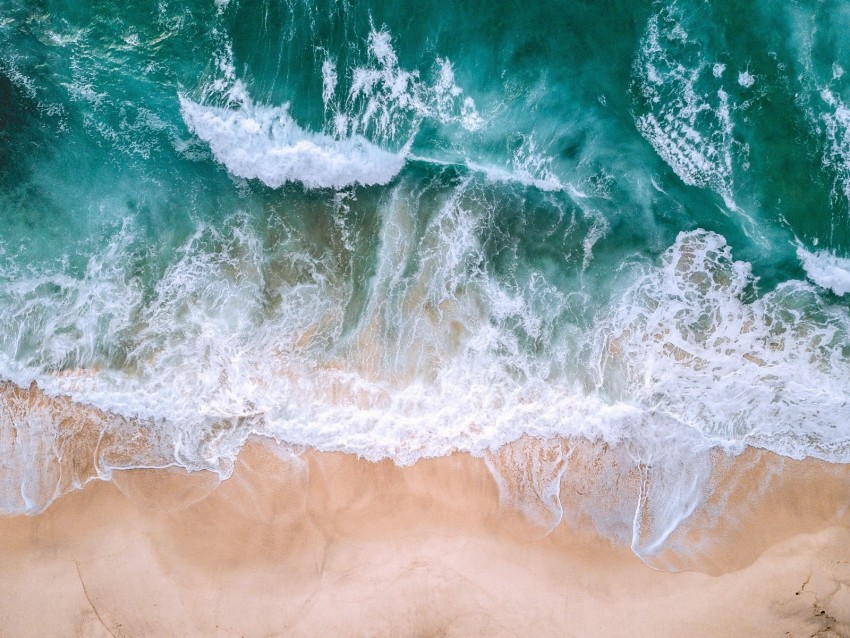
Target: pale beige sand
{"type": "Point", "coordinates": [336, 546]}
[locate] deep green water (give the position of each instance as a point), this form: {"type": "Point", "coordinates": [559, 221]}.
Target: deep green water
{"type": "Point", "coordinates": [400, 230]}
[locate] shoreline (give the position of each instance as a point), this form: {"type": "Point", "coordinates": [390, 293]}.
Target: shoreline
{"type": "Point", "coordinates": [329, 544]}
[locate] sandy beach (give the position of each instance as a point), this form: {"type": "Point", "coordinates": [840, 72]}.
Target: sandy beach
{"type": "Point", "coordinates": [332, 545]}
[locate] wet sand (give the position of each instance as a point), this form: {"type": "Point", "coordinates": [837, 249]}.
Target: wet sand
{"type": "Point", "coordinates": [332, 545]}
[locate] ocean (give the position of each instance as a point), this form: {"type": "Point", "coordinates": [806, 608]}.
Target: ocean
{"type": "Point", "coordinates": [405, 230]}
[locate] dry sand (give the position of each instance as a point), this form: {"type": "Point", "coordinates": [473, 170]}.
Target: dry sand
{"type": "Point", "coordinates": [332, 545]}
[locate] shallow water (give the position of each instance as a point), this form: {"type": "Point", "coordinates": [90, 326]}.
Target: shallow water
{"type": "Point", "coordinates": [400, 233]}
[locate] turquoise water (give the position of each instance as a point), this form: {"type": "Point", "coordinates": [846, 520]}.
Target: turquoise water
{"type": "Point", "coordinates": [401, 231]}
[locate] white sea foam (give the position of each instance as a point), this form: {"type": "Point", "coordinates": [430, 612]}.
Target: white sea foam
{"type": "Point", "coordinates": [54, 320]}
{"type": "Point", "coordinates": [689, 127]}
{"type": "Point", "coordinates": [387, 102]}
{"type": "Point", "coordinates": [826, 269]}
{"type": "Point", "coordinates": [771, 372]}
{"type": "Point", "coordinates": [265, 143]}
{"type": "Point", "coordinates": [546, 181]}
{"type": "Point", "coordinates": [382, 109]}
{"type": "Point", "coordinates": [833, 123]}
{"type": "Point", "coordinates": [436, 362]}
{"type": "Point", "coordinates": [241, 338]}
{"type": "Point", "coordinates": [329, 81]}
{"type": "Point", "coordinates": [529, 166]}
{"type": "Point", "coordinates": [822, 101]}
{"type": "Point", "coordinates": [429, 368]}
{"type": "Point", "coordinates": [499, 174]}
{"type": "Point", "coordinates": [746, 79]}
